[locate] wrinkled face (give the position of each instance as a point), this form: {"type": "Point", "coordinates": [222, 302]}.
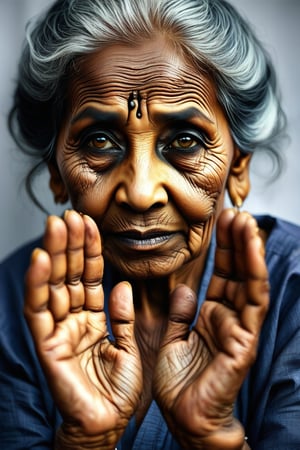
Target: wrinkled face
{"type": "Point", "coordinates": [145, 150]}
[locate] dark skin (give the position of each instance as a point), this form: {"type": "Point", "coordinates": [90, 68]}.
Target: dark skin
{"type": "Point", "coordinates": [154, 186]}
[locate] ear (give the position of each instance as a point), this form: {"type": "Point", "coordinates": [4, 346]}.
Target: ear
{"type": "Point", "coordinates": [238, 182]}
{"type": "Point", "coordinates": [56, 184]}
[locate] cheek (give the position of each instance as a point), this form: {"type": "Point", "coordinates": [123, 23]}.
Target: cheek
{"type": "Point", "coordinates": [203, 199]}
{"type": "Point", "coordinates": [200, 234]}
{"type": "Point", "coordinates": [201, 188]}
{"type": "Point", "coordinates": [88, 191]}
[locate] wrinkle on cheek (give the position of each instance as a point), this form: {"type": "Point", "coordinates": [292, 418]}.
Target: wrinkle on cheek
{"type": "Point", "coordinates": [200, 235]}
{"type": "Point", "coordinates": [196, 199]}
{"type": "Point", "coordinates": [195, 240]}
{"type": "Point", "coordinates": [211, 171]}
{"type": "Point", "coordinates": [201, 198]}
{"type": "Point", "coordinates": [116, 221]}
{"type": "Point", "coordinates": [79, 179]}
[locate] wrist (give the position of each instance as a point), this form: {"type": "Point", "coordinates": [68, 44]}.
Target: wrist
{"type": "Point", "coordinates": [230, 437]}
{"type": "Point", "coordinates": [67, 439]}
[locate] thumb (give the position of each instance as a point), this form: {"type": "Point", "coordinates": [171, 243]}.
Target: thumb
{"type": "Point", "coordinates": [121, 312]}
{"type": "Point", "coordinates": [183, 306]}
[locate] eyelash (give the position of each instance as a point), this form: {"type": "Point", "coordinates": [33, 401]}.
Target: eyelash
{"type": "Point", "coordinates": [191, 137]}
{"type": "Point", "coordinates": [166, 146]}
{"type": "Point", "coordinates": [89, 136]}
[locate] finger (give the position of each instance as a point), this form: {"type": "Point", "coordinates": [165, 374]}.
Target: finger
{"type": "Point", "coordinates": [224, 263]}
{"type": "Point", "coordinates": [252, 293]}
{"type": "Point", "coordinates": [183, 305]}
{"type": "Point", "coordinates": [255, 264]}
{"type": "Point", "coordinates": [93, 267]}
{"type": "Point", "coordinates": [243, 227]}
{"type": "Point", "coordinates": [235, 291]}
{"type": "Point", "coordinates": [121, 312]}
{"type": "Point", "coordinates": [55, 243]}
{"type": "Point", "coordinates": [38, 316]}
{"type": "Point", "coordinates": [216, 323]}
{"type": "Point", "coordinates": [75, 258]}
{"type": "Point", "coordinates": [231, 243]}
{"type": "Point", "coordinates": [231, 268]}
{"type": "Point", "coordinates": [257, 283]}
{"type": "Point", "coordinates": [224, 258]}
{"type": "Point", "coordinates": [240, 280]}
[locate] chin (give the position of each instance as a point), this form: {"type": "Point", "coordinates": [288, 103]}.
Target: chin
{"type": "Point", "coordinates": [146, 268]}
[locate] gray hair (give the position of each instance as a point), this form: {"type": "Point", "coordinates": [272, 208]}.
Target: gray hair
{"type": "Point", "coordinates": [210, 32]}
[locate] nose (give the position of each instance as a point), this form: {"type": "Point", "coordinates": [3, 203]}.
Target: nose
{"type": "Point", "coordinates": [142, 184]}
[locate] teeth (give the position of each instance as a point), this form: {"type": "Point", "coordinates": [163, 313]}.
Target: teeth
{"type": "Point", "coordinates": [154, 239]}
{"type": "Point", "coordinates": [147, 239]}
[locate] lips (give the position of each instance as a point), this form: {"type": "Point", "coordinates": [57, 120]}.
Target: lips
{"type": "Point", "coordinates": [143, 240]}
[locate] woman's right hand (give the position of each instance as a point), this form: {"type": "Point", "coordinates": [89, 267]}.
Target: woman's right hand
{"type": "Point", "coordinates": [96, 384]}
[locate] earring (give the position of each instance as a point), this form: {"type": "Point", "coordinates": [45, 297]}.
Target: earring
{"type": "Point", "coordinates": [238, 204]}
{"type": "Point", "coordinates": [61, 197]}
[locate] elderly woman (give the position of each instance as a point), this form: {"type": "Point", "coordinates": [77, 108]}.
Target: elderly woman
{"type": "Point", "coordinates": [157, 319]}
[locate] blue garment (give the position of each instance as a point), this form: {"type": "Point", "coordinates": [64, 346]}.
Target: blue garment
{"type": "Point", "coordinates": [269, 401]}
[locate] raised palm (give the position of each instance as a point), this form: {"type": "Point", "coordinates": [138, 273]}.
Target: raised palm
{"type": "Point", "coordinates": [96, 384]}
{"type": "Point", "coordinates": [200, 372]}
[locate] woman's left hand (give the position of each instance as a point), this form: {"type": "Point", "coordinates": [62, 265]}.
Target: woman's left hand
{"type": "Point", "coordinates": [199, 373]}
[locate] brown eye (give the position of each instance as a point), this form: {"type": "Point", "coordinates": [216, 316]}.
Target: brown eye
{"type": "Point", "coordinates": [100, 142]}
{"type": "Point", "coordinates": [184, 142]}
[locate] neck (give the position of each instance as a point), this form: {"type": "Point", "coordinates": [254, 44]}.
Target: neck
{"type": "Point", "coordinates": [151, 302]}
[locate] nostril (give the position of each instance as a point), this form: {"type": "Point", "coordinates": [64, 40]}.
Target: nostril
{"type": "Point", "coordinates": [141, 197]}
{"type": "Point", "coordinates": [157, 205]}
{"type": "Point", "coordinates": [130, 207]}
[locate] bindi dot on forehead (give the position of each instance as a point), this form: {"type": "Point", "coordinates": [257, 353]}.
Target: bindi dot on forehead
{"type": "Point", "coordinates": [134, 102]}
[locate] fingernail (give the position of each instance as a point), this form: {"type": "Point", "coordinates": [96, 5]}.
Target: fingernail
{"type": "Point", "coordinates": [66, 213]}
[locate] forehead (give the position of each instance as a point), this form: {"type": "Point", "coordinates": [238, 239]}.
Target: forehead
{"type": "Point", "coordinates": [154, 68]}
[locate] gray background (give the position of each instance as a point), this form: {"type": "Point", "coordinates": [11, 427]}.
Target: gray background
{"type": "Point", "coordinates": [277, 23]}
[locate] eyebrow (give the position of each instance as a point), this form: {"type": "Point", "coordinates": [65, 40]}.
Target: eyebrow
{"type": "Point", "coordinates": [113, 118]}
{"type": "Point", "coordinates": [97, 116]}
{"type": "Point", "coordinates": [179, 116]}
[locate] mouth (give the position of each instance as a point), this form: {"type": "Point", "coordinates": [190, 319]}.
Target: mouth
{"type": "Point", "coordinates": [137, 240]}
